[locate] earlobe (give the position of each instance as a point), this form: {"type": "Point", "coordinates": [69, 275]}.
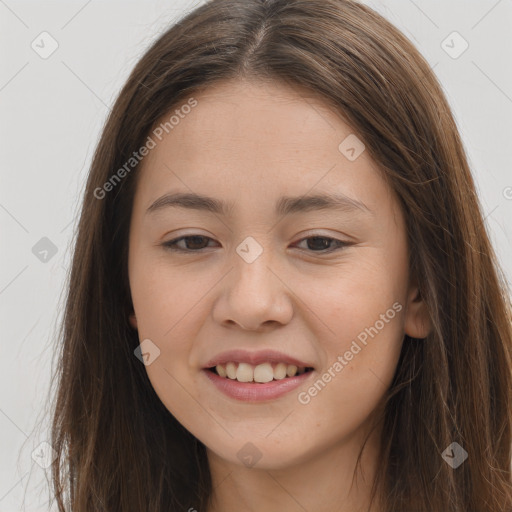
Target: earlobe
{"type": "Point", "coordinates": [417, 319]}
{"type": "Point", "coordinates": [133, 320]}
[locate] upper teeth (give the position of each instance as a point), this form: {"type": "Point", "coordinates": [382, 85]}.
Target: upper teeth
{"type": "Point", "coordinates": [265, 372]}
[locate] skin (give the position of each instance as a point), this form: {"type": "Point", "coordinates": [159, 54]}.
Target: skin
{"type": "Point", "coordinates": [250, 143]}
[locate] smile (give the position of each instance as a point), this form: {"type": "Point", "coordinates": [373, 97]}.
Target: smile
{"type": "Point", "coordinates": [250, 391]}
{"type": "Point", "coordinates": [261, 373]}
{"type": "Point", "coordinates": [255, 376]}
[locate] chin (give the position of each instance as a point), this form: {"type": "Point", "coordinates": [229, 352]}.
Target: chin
{"type": "Point", "coordinates": [260, 451]}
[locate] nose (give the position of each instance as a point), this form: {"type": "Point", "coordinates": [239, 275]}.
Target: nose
{"type": "Point", "coordinates": [254, 295]}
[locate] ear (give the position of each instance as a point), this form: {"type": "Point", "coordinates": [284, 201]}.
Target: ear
{"type": "Point", "coordinates": [133, 320]}
{"type": "Point", "coordinates": [417, 319]}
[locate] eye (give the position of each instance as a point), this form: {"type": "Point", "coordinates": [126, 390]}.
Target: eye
{"type": "Point", "coordinates": [196, 243]}
{"type": "Point", "coordinates": [196, 240]}
{"type": "Point", "coordinates": [323, 244]}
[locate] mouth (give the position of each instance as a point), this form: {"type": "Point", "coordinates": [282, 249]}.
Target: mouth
{"type": "Point", "coordinates": [258, 374]}
{"type": "Point", "coordinates": [255, 383]}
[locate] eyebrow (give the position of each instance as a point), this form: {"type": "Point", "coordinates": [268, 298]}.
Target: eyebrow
{"type": "Point", "coordinates": [285, 205]}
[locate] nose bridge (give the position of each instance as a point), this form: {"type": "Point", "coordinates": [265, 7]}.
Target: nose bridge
{"type": "Point", "coordinates": [253, 259]}
{"type": "Point", "coordinates": [253, 296]}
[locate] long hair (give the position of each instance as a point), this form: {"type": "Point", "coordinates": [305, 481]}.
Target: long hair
{"type": "Point", "coordinates": [118, 447]}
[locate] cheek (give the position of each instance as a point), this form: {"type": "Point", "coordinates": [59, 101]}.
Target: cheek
{"type": "Point", "coordinates": [360, 314]}
{"type": "Point", "coordinates": [164, 297]}
{"type": "Point", "coordinates": [354, 296]}
{"type": "Point", "coordinates": [361, 348]}
{"type": "Point", "coordinates": [168, 309]}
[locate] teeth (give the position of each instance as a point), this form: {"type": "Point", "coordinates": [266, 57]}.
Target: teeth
{"type": "Point", "coordinates": [280, 371]}
{"type": "Point", "coordinates": [265, 372]}
{"type": "Point", "coordinates": [291, 370]}
{"type": "Point", "coordinates": [221, 370]}
{"type": "Point", "coordinates": [244, 373]}
{"type": "Point", "coordinates": [231, 370]}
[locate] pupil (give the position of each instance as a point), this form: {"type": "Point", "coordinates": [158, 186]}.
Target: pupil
{"type": "Point", "coordinates": [324, 245]}
{"type": "Point", "coordinates": [194, 239]}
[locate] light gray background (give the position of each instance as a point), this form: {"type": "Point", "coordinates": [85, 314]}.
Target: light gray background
{"type": "Point", "coordinates": [52, 111]}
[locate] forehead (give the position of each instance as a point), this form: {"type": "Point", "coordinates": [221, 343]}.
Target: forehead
{"type": "Point", "coordinates": [249, 141]}
{"type": "Point", "coordinates": [261, 116]}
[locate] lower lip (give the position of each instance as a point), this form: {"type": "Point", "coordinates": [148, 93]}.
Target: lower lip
{"type": "Point", "coordinates": [255, 391]}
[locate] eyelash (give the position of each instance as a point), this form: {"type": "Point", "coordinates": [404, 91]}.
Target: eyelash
{"type": "Point", "coordinates": [171, 244]}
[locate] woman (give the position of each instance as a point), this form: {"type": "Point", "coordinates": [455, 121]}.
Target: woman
{"type": "Point", "coordinates": [268, 371]}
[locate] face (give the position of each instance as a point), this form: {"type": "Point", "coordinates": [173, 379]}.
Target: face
{"type": "Point", "coordinates": [268, 284]}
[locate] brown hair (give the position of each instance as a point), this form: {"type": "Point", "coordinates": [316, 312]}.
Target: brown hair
{"type": "Point", "coordinates": [118, 447]}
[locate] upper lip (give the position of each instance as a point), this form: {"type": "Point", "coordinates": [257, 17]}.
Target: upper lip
{"type": "Point", "coordinates": [255, 358]}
